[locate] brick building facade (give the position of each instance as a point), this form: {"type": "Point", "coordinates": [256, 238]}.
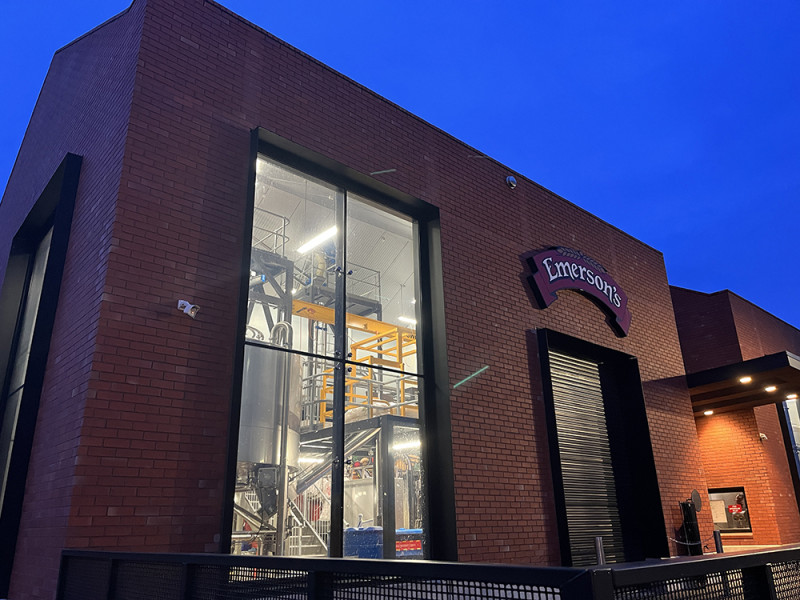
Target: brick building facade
{"type": "Point", "coordinates": [746, 445]}
{"type": "Point", "coordinates": [173, 118]}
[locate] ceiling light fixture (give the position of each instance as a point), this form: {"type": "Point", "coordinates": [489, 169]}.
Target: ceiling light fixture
{"type": "Point", "coordinates": [708, 413]}
{"type": "Point", "coordinates": [745, 379]}
{"type": "Point", "coordinates": [791, 396]}
{"type": "Point", "coordinates": [317, 240]}
{"type": "Point", "coordinates": [770, 388]}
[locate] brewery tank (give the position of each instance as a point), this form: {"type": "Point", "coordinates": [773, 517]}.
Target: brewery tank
{"type": "Point", "coordinates": [270, 378]}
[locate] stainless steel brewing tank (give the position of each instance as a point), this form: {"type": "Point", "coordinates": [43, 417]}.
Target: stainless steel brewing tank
{"type": "Point", "coordinates": [270, 376]}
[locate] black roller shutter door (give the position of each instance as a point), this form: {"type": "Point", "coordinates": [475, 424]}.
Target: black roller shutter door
{"type": "Point", "coordinates": [587, 471]}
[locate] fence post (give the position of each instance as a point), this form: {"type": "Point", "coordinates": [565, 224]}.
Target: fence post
{"type": "Point", "coordinates": [599, 550]}
{"type": "Point", "coordinates": [718, 541]}
{"type": "Point", "coordinates": [319, 587]}
{"type": "Point", "coordinates": [186, 581]}
{"type": "Point", "coordinates": [111, 591]}
{"type": "Point", "coordinates": [758, 584]}
{"type": "Point", "coordinates": [595, 584]}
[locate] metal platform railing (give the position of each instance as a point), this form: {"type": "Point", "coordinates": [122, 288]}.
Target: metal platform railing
{"type": "Point", "coordinates": [89, 575]}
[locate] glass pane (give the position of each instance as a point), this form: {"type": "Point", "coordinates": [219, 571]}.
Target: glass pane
{"type": "Point", "coordinates": [25, 335]}
{"type": "Point", "coordinates": [383, 492]}
{"type": "Point", "coordinates": [409, 494]}
{"type": "Point", "coordinates": [20, 368]}
{"type": "Point", "coordinates": [381, 290]}
{"type": "Point", "coordinates": [7, 439]}
{"type": "Point", "coordinates": [293, 258]}
{"type": "Point", "coordinates": [282, 506]}
{"type": "Point", "coordinates": [729, 509]}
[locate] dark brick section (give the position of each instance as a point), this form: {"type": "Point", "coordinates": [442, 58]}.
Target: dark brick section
{"type": "Point", "coordinates": [761, 333]}
{"type": "Point", "coordinates": [137, 426]}
{"type": "Point", "coordinates": [83, 108]}
{"type": "Point", "coordinates": [707, 329]}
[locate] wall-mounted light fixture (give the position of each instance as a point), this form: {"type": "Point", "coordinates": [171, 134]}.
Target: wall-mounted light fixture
{"type": "Point", "coordinates": [188, 308]}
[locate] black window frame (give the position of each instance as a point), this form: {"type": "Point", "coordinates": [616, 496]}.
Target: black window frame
{"type": "Point", "coordinates": [643, 527]}
{"type": "Point", "coordinates": [54, 208]}
{"type": "Point", "coordinates": [733, 490]}
{"type": "Point", "coordinates": [434, 415]}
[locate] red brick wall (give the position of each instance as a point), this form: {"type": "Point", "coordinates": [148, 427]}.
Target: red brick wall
{"type": "Point", "coordinates": [734, 455]}
{"type": "Point", "coordinates": [153, 446]}
{"type": "Point", "coordinates": [761, 333]}
{"type": "Point", "coordinates": [707, 329]}
{"type": "Point", "coordinates": [780, 478]}
{"type": "Point", "coordinates": [83, 108]}
{"type": "Point", "coordinates": [720, 329]}
{"type": "Point", "coordinates": [198, 96]}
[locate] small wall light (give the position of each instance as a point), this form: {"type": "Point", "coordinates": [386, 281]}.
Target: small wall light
{"type": "Point", "coordinates": [188, 308]}
{"type": "Point", "coordinates": [745, 379]}
{"type": "Point", "coordinates": [763, 437]}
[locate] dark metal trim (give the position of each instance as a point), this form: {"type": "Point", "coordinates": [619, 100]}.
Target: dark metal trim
{"type": "Point", "coordinates": [226, 527]}
{"type": "Point", "coordinates": [437, 446]}
{"type": "Point", "coordinates": [441, 543]}
{"type": "Point", "coordinates": [637, 486]}
{"type": "Point", "coordinates": [334, 172]}
{"type": "Point", "coordinates": [387, 487]}
{"type": "Point", "coordinates": [543, 347]}
{"type": "Point", "coordinates": [336, 534]}
{"type": "Point", "coordinates": [770, 362]}
{"type": "Point", "coordinates": [540, 576]}
{"type": "Point", "coordinates": [790, 444]}
{"type": "Point", "coordinates": [55, 207]}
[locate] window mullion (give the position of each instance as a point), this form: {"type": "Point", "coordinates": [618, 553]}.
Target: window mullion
{"type": "Point", "coordinates": [340, 351]}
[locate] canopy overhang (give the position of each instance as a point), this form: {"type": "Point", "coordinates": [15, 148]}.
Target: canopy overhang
{"type": "Point", "coordinates": [746, 384]}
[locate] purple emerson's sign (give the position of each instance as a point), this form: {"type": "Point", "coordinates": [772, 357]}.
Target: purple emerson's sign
{"type": "Point", "coordinates": [556, 269]}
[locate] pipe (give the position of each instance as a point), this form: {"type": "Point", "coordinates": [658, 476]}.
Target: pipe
{"type": "Point", "coordinates": [283, 489]}
{"type": "Point", "coordinates": [599, 551]}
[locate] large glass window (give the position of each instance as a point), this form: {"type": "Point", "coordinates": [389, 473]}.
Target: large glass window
{"type": "Point", "coordinates": [329, 455]}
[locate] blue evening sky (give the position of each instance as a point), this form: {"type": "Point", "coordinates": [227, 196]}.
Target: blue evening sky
{"type": "Point", "coordinates": [678, 122]}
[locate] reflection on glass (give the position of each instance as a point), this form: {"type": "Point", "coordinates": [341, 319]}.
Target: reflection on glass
{"type": "Point", "coordinates": [383, 491]}
{"type": "Point", "coordinates": [283, 501]}
{"type": "Point", "coordinates": [729, 509]}
{"type": "Point", "coordinates": [282, 498]}
{"type": "Point", "coordinates": [20, 368]}
{"type": "Point", "coordinates": [293, 258]}
{"type": "Point", "coordinates": [381, 290]}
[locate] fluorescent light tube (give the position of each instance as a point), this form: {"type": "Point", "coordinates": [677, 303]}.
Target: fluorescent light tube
{"type": "Point", "coordinates": [317, 240]}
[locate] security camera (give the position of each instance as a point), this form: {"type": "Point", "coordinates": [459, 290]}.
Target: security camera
{"type": "Point", "coordinates": [187, 308]}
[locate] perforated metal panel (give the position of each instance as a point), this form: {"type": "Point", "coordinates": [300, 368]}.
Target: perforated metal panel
{"type": "Point", "coordinates": [714, 586]}
{"type": "Point", "coordinates": [786, 577]}
{"type": "Point", "coordinates": [587, 471]}
{"type": "Point", "coordinates": [85, 579]}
